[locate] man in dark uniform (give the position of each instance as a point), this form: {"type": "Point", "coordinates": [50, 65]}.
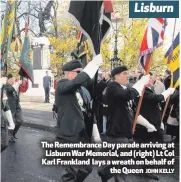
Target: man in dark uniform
{"type": "Point", "coordinates": [101, 108]}
{"type": "Point", "coordinates": [6, 117]}
{"type": "Point", "coordinates": [13, 100]}
{"type": "Point", "coordinates": [167, 79]}
{"type": "Point", "coordinates": [167, 83]}
{"type": "Point", "coordinates": [70, 124]}
{"type": "Point", "coordinates": [153, 115]}
{"type": "Point", "coordinates": [120, 118]}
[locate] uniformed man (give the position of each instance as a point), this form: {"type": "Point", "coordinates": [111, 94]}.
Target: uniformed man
{"type": "Point", "coordinates": [120, 118]}
{"type": "Point", "coordinates": [70, 124]}
{"type": "Point", "coordinates": [6, 116]}
{"type": "Point", "coordinates": [173, 119]}
{"type": "Point", "coordinates": [151, 111]}
{"type": "Point", "coordinates": [12, 89]}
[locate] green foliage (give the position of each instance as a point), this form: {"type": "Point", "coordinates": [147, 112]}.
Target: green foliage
{"type": "Point", "coordinates": [63, 45]}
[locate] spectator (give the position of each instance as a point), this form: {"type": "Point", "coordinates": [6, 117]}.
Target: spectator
{"type": "Point", "coordinates": [46, 85]}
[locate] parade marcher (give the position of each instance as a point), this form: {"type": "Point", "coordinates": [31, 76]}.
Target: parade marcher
{"type": "Point", "coordinates": [167, 79]}
{"type": "Point", "coordinates": [107, 79]}
{"type": "Point", "coordinates": [12, 89]}
{"type": "Point", "coordinates": [70, 124]}
{"type": "Point", "coordinates": [101, 107]}
{"type": "Point", "coordinates": [6, 117]}
{"type": "Point", "coordinates": [47, 85]}
{"type": "Point", "coordinates": [120, 117]}
{"type": "Point", "coordinates": [173, 119]}
{"type": "Point", "coordinates": [151, 112]}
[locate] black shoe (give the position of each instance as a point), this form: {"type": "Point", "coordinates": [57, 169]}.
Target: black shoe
{"type": "Point", "coordinates": [11, 140]}
{"type": "Point", "coordinates": [103, 179]}
{"type": "Point", "coordinates": [15, 136]}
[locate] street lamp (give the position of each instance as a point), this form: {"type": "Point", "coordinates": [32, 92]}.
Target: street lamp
{"type": "Point", "coordinates": [115, 61]}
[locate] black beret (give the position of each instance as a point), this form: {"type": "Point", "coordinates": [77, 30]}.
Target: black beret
{"type": "Point", "coordinates": [10, 76]}
{"type": "Point", "coordinates": [72, 65]}
{"type": "Point", "coordinates": [118, 70]}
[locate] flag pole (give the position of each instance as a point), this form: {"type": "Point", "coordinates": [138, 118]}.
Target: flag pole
{"type": "Point", "coordinates": [141, 98]}
{"type": "Point", "coordinates": [168, 99]}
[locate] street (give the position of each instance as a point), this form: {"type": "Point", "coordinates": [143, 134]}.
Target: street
{"type": "Point", "coordinates": [21, 162]}
{"type": "Point", "coordinates": [41, 119]}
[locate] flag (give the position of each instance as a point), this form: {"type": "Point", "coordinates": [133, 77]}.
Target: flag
{"type": "Point", "coordinates": [172, 59]}
{"type": "Point", "coordinates": [152, 39]}
{"type": "Point", "coordinates": [93, 18]}
{"type": "Point", "coordinates": [7, 30]}
{"type": "Point", "coordinates": [82, 50]}
{"type": "Point", "coordinates": [25, 62]}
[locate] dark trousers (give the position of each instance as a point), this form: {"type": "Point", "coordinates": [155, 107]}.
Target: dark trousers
{"type": "Point", "coordinates": [47, 94]}
{"type": "Point", "coordinates": [104, 171]}
{"type": "Point", "coordinates": [75, 173]}
{"type": "Point", "coordinates": [18, 119]}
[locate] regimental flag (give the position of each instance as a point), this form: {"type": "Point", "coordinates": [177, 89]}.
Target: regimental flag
{"type": "Point", "coordinates": [25, 62]}
{"type": "Point", "coordinates": [153, 38]}
{"type": "Point", "coordinates": [172, 59]}
{"type": "Point", "coordinates": [94, 19]}
{"type": "Point", "coordinates": [7, 30]}
{"type": "Point", "coordinates": [83, 49]}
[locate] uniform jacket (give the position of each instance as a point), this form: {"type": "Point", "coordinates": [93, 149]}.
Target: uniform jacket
{"type": "Point", "coordinates": [120, 117]}
{"type": "Point", "coordinates": [13, 99]}
{"type": "Point", "coordinates": [46, 81]}
{"type": "Point", "coordinates": [167, 82]}
{"type": "Point", "coordinates": [70, 123]}
{"type": "Point", "coordinates": [174, 102]}
{"type": "Point", "coordinates": [150, 108]}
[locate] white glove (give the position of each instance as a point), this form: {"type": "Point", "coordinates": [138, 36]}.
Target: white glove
{"type": "Point", "coordinates": [3, 80]}
{"type": "Point", "coordinates": [93, 66]}
{"type": "Point", "coordinates": [142, 121]}
{"type": "Point", "coordinates": [95, 134]}
{"type": "Point", "coordinates": [168, 92]}
{"type": "Point", "coordinates": [139, 87]}
{"type": "Point", "coordinates": [171, 90]}
{"type": "Point", "coordinates": [17, 84]}
{"type": "Point", "coordinates": [52, 89]}
{"type": "Point", "coordinates": [20, 82]}
{"type": "Point", "coordinates": [10, 120]}
{"type": "Point", "coordinates": [162, 126]}
{"type": "Point", "coordinates": [145, 79]}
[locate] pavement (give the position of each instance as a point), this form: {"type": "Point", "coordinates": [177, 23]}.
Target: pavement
{"type": "Point", "coordinates": [38, 115]}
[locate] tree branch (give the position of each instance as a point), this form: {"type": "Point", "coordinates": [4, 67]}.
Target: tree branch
{"type": "Point", "coordinates": [28, 30]}
{"type": "Point", "coordinates": [26, 13]}
{"type": "Point", "coordinates": [19, 3]}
